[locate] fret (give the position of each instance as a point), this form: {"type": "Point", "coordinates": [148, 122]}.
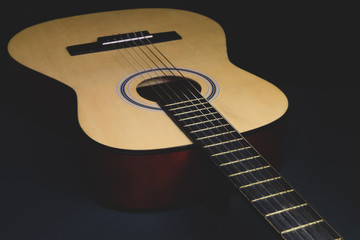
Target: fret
{"type": "Point", "coordinates": [216, 129]}
{"type": "Point", "coordinates": [272, 195]}
{"type": "Point", "coordinates": [243, 165]}
{"type": "Point", "coordinates": [302, 226]}
{"type": "Point", "coordinates": [201, 123]}
{"type": "Point", "coordinates": [248, 171]}
{"type": "Point", "coordinates": [293, 219]}
{"type": "Point", "coordinates": [278, 202]}
{"type": "Point", "coordinates": [320, 230]}
{"type": "Point", "coordinates": [219, 138]}
{"type": "Point", "coordinates": [260, 182]}
{"type": "Point", "coordinates": [196, 110]}
{"type": "Point", "coordinates": [240, 160]}
{"type": "Point", "coordinates": [266, 188]}
{"type": "Point", "coordinates": [255, 177]}
{"type": "Point", "coordinates": [190, 110]}
{"type": "Point", "coordinates": [198, 119]}
{"type": "Point", "coordinates": [209, 128]}
{"type": "Point", "coordinates": [234, 156]}
{"type": "Point", "coordinates": [286, 209]}
{"type": "Point", "coordinates": [197, 116]}
{"type": "Point", "coordinates": [215, 135]}
{"type": "Point", "coordinates": [189, 106]}
{"type": "Point", "coordinates": [230, 151]}
{"type": "Point", "coordinates": [223, 143]}
{"type": "Point", "coordinates": [233, 143]}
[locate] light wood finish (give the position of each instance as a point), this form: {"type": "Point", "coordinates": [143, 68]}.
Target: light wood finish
{"type": "Point", "coordinates": [246, 101]}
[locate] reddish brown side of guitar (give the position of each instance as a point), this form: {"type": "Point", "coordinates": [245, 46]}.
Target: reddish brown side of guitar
{"type": "Point", "coordinates": [160, 180]}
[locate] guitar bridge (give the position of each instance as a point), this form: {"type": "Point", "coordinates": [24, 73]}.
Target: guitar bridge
{"type": "Point", "coordinates": [120, 41]}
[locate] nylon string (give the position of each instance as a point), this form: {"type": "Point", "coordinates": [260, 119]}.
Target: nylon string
{"type": "Point", "coordinates": [225, 127]}
{"type": "Point", "coordinates": [138, 46]}
{"type": "Point", "coordinates": [188, 97]}
{"type": "Point", "coordinates": [194, 95]}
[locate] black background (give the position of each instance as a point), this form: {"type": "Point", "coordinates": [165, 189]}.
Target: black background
{"type": "Point", "coordinates": [308, 50]}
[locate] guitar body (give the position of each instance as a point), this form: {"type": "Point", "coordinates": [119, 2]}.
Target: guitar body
{"type": "Point", "coordinates": [140, 157]}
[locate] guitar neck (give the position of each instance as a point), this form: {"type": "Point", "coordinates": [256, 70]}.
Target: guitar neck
{"type": "Point", "coordinates": [286, 211]}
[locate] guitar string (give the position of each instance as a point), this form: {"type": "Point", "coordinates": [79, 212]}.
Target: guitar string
{"type": "Point", "coordinates": [247, 143]}
{"type": "Point", "coordinates": [196, 90]}
{"type": "Point", "coordinates": [130, 63]}
{"type": "Point", "coordinates": [157, 65]}
{"type": "Point", "coordinates": [188, 89]}
{"type": "Point", "coordinates": [279, 175]}
{"type": "Point", "coordinates": [196, 97]}
{"type": "Point", "coordinates": [141, 67]}
{"type": "Point", "coordinates": [245, 139]}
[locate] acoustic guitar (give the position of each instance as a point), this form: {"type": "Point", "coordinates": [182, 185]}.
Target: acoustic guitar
{"type": "Point", "coordinates": [156, 92]}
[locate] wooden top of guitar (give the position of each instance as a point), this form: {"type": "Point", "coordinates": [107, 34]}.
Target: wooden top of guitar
{"type": "Point", "coordinates": [245, 100]}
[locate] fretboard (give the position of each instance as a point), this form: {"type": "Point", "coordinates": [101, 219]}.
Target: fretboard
{"type": "Point", "coordinates": [287, 212]}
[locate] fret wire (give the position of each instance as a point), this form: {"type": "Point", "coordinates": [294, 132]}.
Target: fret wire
{"type": "Point", "coordinates": [209, 128]}
{"type": "Point", "coordinates": [260, 182]}
{"type": "Point", "coordinates": [257, 191]}
{"type": "Point", "coordinates": [207, 114]}
{"type": "Point", "coordinates": [240, 160]}
{"type": "Point", "coordinates": [320, 230]}
{"type": "Point", "coordinates": [278, 202]}
{"type": "Point", "coordinates": [302, 226]}
{"type": "Point", "coordinates": [178, 108]}
{"type": "Point", "coordinates": [177, 114]}
{"type": "Point", "coordinates": [215, 144]}
{"type": "Point", "coordinates": [286, 209]}
{"type": "Point", "coordinates": [272, 195]}
{"type": "Point", "coordinates": [247, 171]}
{"type": "Point", "coordinates": [211, 120]}
{"type": "Point", "coordinates": [230, 151]}
{"type": "Point", "coordinates": [282, 221]}
{"type": "Point", "coordinates": [215, 135]}
{"type": "Point", "coordinates": [167, 104]}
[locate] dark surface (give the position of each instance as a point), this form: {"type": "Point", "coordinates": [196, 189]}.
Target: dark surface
{"type": "Point", "coordinates": [306, 50]}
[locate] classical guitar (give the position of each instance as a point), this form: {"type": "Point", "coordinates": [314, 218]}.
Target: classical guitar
{"type": "Point", "coordinates": [153, 83]}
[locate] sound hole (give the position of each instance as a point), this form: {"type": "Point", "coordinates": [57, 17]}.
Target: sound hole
{"type": "Point", "coordinates": [152, 88]}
